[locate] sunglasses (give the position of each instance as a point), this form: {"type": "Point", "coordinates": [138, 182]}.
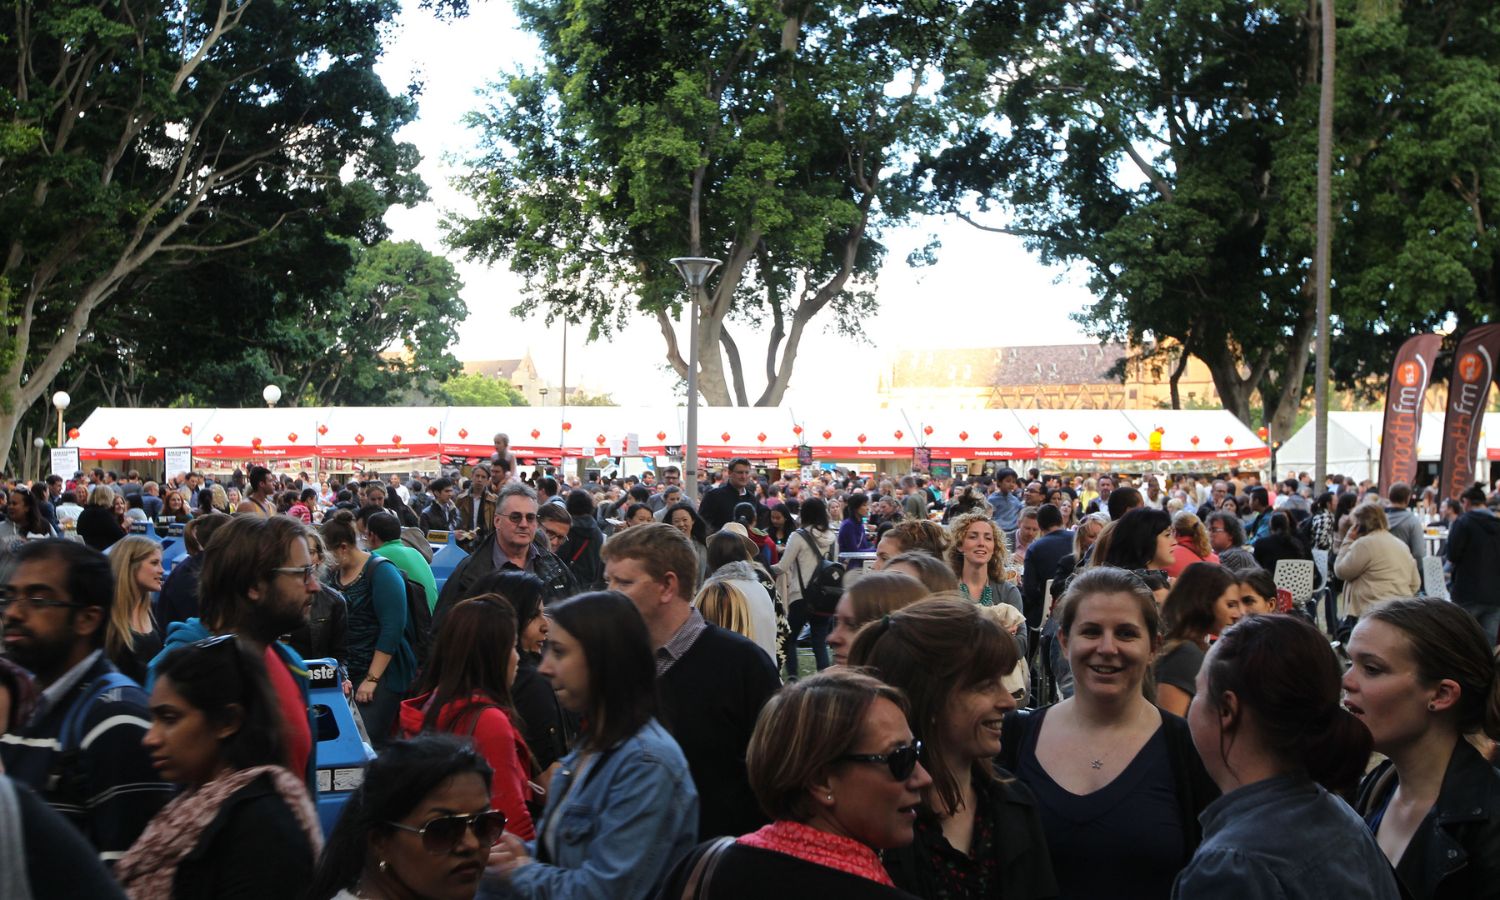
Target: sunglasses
{"type": "Point", "coordinates": [518, 518]}
{"type": "Point", "coordinates": [442, 834]}
{"type": "Point", "coordinates": [901, 761]}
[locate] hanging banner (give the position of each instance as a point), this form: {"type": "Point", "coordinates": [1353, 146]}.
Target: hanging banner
{"type": "Point", "coordinates": [1468, 393]}
{"type": "Point", "coordinates": [1405, 399]}
{"type": "Point", "coordinates": [179, 459]}
{"type": "Point", "coordinates": [65, 462]}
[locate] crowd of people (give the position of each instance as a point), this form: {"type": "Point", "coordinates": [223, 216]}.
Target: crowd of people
{"type": "Point", "coordinates": [839, 685]}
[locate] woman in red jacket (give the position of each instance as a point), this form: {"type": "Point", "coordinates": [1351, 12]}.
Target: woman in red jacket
{"type": "Point", "coordinates": [466, 692]}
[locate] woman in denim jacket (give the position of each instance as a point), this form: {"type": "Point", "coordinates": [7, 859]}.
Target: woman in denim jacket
{"type": "Point", "coordinates": [622, 810]}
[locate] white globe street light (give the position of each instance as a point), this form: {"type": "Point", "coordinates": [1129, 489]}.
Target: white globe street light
{"type": "Point", "coordinates": [694, 271]}
{"type": "Point", "coordinates": [272, 393]}
{"type": "Point", "coordinates": [61, 400]}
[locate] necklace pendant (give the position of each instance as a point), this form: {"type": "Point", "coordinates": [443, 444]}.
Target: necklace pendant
{"type": "Point", "coordinates": [1097, 764]}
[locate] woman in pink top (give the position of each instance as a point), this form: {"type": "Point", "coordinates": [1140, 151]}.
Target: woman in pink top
{"type": "Point", "coordinates": [1191, 544]}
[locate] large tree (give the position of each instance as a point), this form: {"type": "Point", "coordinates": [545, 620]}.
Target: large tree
{"type": "Point", "coordinates": [777, 136]}
{"type": "Point", "coordinates": [142, 134]}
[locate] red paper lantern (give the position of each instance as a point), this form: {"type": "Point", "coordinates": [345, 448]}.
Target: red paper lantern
{"type": "Point", "coordinates": [1193, 440]}
{"type": "Point", "coordinates": [73, 433]}
{"type": "Point", "coordinates": [255, 442]}
{"type": "Point", "coordinates": [292, 437]}
{"type": "Point", "coordinates": [322, 429]}
{"type": "Point", "coordinates": [898, 434]}
{"type": "Point", "coordinates": [463, 433]}
{"type": "Point", "coordinates": [761, 437]}
{"type": "Point", "coordinates": [861, 438]}
{"type": "Point", "coordinates": [1098, 440]}
{"type": "Point", "coordinates": [432, 431]}
{"type": "Point", "coordinates": [827, 435]}
{"type": "Point", "coordinates": [797, 429]}
{"type": "Point", "coordinates": [567, 426]}
{"type": "Point", "coordinates": [661, 435]}
{"type": "Point", "coordinates": [187, 429]}
{"type": "Point", "coordinates": [151, 439]}
{"type": "Point", "coordinates": [1263, 432]}
{"type": "Point", "coordinates": [218, 439]}
{"type": "Point", "coordinates": [1033, 429]}
{"type": "Point", "coordinates": [1160, 430]}
{"type": "Point", "coordinates": [963, 435]}
{"type": "Point", "coordinates": [725, 437]}
{"type": "Point", "coordinates": [113, 442]}
{"type": "Point", "coordinates": [927, 430]}
{"type": "Point", "coordinates": [359, 439]}
{"type": "Point", "coordinates": [1062, 435]}
{"type": "Point", "coordinates": [396, 439]}
{"type": "Point", "coordinates": [996, 435]}
{"type": "Point", "coordinates": [599, 439]}
{"type": "Point", "coordinates": [1132, 435]}
{"type": "Point", "coordinates": [535, 434]}
{"type": "Point", "coordinates": [1228, 441]}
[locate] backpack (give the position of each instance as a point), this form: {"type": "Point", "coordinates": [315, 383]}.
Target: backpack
{"type": "Point", "coordinates": [418, 633]}
{"type": "Point", "coordinates": [823, 590]}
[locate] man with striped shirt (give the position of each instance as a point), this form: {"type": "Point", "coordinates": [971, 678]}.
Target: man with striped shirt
{"type": "Point", "coordinates": [56, 610]}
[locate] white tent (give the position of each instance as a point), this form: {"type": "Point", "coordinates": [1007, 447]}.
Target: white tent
{"type": "Point", "coordinates": [1354, 443]}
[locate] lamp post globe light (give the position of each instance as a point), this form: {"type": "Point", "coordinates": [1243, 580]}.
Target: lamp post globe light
{"type": "Point", "coordinates": [271, 394]}
{"type": "Point", "coordinates": [61, 400]}
{"type": "Point", "coordinates": [694, 271]}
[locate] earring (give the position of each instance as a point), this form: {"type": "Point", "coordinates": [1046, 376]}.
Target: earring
{"type": "Point", "coordinates": [830, 795]}
{"type": "Point", "coordinates": [384, 867]}
{"type": "Point", "coordinates": [1432, 707]}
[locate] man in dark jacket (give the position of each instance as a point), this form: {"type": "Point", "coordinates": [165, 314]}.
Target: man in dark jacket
{"type": "Point", "coordinates": [512, 545]}
{"type": "Point", "coordinates": [1474, 553]}
{"type": "Point", "coordinates": [581, 551]}
{"type": "Point", "coordinates": [1042, 558]}
{"type": "Point", "coordinates": [717, 506]}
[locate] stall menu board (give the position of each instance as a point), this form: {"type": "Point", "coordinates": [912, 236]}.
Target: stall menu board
{"type": "Point", "coordinates": [941, 468]}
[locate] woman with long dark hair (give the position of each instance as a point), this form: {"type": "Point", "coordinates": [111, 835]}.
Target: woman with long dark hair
{"type": "Point", "coordinates": [814, 540]}
{"type": "Point", "coordinates": [852, 536]}
{"type": "Point", "coordinates": [1201, 605]}
{"type": "Point", "coordinates": [418, 827]}
{"type": "Point", "coordinates": [684, 518]}
{"type": "Point", "coordinates": [1425, 680]}
{"type": "Point", "coordinates": [244, 826]}
{"type": "Point", "coordinates": [1140, 539]}
{"type": "Point", "coordinates": [622, 809]}
{"type": "Point", "coordinates": [1267, 724]}
{"type": "Point", "coordinates": [466, 691]}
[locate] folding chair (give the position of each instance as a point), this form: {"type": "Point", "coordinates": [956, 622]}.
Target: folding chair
{"type": "Point", "coordinates": [1434, 584]}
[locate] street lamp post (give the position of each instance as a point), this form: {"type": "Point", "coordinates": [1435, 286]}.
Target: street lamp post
{"type": "Point", "coordinates": [694, 271]}
{"type": "Point", "coordinates": [543, 392]}
{"type": "Point", "coordinates": [61, 400]}
{"type": "Point", "coordinates": [38, 443]}
{"type": "Point", "coordinates": [271, 394]}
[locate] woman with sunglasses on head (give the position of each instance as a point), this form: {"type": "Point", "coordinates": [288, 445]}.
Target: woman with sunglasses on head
{"type": "Point", "coordinates": [1201, 605]}
{"type": "Point", "coordinates": [977, 832]}
{"type": "Point", "coordinates": [622, 809]}
{"type": "Point", "coordinates": [833, 762]}
{"type": "Point", "coordinates": [244, 826]}
{"type": "Point", "coordinates": [1117, 781]}
{"type": "Point", "coordinates": [418, 827]}
{"type": "Point", "coordinates": [466, 691]}
{"type": "Point", "coordinates": [1424, 679]}
{"type": "Point", "coordinates": [381, 662]}
{"type": "Point", "coordinates": [1267, 724]}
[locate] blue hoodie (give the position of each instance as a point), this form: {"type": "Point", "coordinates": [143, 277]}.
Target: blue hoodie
{"type": "Point", "coordinates": [190, 631]}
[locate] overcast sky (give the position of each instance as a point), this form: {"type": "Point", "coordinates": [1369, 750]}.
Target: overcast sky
{"type": "Point", "coordinates": [985, 289]}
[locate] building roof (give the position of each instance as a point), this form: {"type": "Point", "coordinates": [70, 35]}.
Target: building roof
{"type": "Point", "coordinates": [495, 368]}
{"type": "Point", "coordinates": [1006, 366]}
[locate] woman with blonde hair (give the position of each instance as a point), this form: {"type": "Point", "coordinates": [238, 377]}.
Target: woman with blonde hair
{"type": "Point", "coordinates": [133, 637]}
{"type": "Point", "coordinates": [867, 599]}
{"type": "Point", "coordinates": [1375, 565]}
{"type": "Point", "coordinates": [1190, 544]}
{"type": "Point", "coordinates": [908, 535]}
{"type": "Point", "coordinates": [726, 606]}
{"type": "Point", "coordinates": [976, 552]}
{"type": "Point", "coordinates": [933, 572]}
{"type": "Point", "coordinates": [97, 524]}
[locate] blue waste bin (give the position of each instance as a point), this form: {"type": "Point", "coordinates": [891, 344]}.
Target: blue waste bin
{"type": "Point", "coordinates": [447, 558]}
{"type": "Point", "coordinates": [342, 751]}
{"type": "Point", "coordinates": [173, 547]}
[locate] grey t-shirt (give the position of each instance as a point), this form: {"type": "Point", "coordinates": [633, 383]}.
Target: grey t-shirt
{"type": "Point", "coordinates": [1179, 667]}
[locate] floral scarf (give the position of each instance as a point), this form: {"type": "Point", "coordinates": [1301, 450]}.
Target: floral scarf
{"type": "Point", "coordinates": [820, 848]}
{"type": "Point", "coordinates": [149, 869]}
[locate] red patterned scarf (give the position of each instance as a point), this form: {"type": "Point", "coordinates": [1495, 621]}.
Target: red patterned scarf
{"type": "Point", "coordinates": [819, 847]}
{"type": "Point", "coordinates": [149, 869]}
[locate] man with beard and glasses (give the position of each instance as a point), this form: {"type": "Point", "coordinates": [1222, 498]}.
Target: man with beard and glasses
{"type": "Point", "coordinates": [258, 581]}
{"type": "Point", "coordinates": [81, 747]}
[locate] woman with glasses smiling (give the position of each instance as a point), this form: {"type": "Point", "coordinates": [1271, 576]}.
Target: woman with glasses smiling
{"type": "Point", "coordinates": [244, 825]}
{"type": "Point", "coordinates": [417, 828]}
{"type": "Point", "coordinates": [834, 763]}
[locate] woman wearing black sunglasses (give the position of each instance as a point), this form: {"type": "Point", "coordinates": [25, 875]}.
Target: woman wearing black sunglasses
{"type": "Point", "coordinates": [834, 763]}
{"type": "Point", "coordinates": [978, 834]}
{"type": "Point", "coordinates": [418, 827]}
{"type": "Point", "coordinates": [244, 825]}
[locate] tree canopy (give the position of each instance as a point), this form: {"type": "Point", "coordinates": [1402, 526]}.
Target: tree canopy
{"type": "Point", "coordinates": [779, 137]}
{"type": "Point", "coordinates": [481, 390]}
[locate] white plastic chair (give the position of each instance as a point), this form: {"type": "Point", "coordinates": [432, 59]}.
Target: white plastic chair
{"type": "Point", "coordinates": [1296, 576]}
{"type": "Point", "coordinates": [1433, 583]}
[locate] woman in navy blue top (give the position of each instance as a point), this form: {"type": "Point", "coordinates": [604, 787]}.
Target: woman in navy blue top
{"type": "Point", "coordinates": [1117, 783]}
